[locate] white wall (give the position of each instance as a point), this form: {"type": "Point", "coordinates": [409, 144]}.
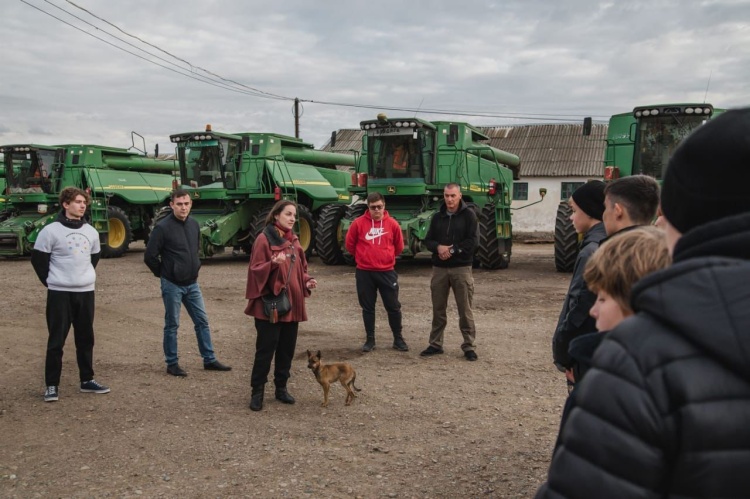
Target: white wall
{"type": "Point", "coordinates": [540, 218]}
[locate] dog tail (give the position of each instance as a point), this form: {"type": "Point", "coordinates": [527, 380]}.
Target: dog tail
{"type": "Point", "coordinates": [353, 386]}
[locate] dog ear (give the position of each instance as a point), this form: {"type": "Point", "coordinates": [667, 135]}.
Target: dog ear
{"type": "Point", "coordinates": [319, 356]}
{"type": "Point", "coordinates": [309, 354]}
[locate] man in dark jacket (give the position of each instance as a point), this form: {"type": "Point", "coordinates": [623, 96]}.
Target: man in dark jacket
{"type": "Point", "coordinates": [452, 239]}
{"type": "Point", "coordinates": [587, 204]}
{"type": "Point", "coordinates": [172, 255]}
{"type": "Point", "coordinates": [664, 409]}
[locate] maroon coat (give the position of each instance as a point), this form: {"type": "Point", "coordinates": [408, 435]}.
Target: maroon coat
{"type": "Point", "coordinates": [265, 277]}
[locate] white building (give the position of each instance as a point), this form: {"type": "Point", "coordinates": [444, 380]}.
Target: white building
{"type": "Point", "coordinates": [555, 157]}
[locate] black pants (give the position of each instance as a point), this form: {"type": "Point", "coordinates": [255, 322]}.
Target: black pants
{"type": "Point", "coordinates": [369, 282]}
{"type": "Point", "coordinates": [64, 309]}
{"type": "Point", "coordinates": [277, 339]}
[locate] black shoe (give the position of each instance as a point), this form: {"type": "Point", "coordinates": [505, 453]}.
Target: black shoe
{"type": "Point", "coordinates": [92, 386]}
{"type": "Point", "coordinates": [430, 351]}
{"type": "Point", "coordinates": [399, 344]}
{"type": "Point", "coordinates": [369, 345]}
{"type": "Point", "coordinates": [51, 394]}
{"type": "Point", "coordinates": [216, 366]}
{"type": "Point", "coordinates": [176, 370]}
{"type": "Point", "coordinates": [283, 396]}
{"type": "Point", "coordinates": [256, 401]}
{"type": "Point", "coordinates": [470, 355]}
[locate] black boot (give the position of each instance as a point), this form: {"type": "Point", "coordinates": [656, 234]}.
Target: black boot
{"type": "Point", "coordinates": [369, 345]}
{"type": "Point", "coordinates": [399, 343]}
{"type": "Point", "coordinates": [256, 398]}
{"type": "Point", "coordinates": [283, 395]}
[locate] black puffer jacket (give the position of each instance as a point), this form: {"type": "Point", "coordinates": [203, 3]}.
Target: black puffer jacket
{"type": "Point", "coordinates": [172, 250]}
{"type": "Point", "coordinates": [665, 409]}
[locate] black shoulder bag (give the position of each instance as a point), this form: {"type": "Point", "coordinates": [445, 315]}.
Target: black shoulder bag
{"type": "Point", "coordinates": [275, 306]}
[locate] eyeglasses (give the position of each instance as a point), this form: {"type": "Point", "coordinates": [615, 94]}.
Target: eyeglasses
{"type": "Point", "coordinates": [376, 207]}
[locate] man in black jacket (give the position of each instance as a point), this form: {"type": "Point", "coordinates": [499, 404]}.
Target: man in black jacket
{"type": "Point", "coordinates": [452, 239]}
{"type": "Point", "coordinates": [664, 410]}
{"type": "Point", "coordinates": [172, 255]}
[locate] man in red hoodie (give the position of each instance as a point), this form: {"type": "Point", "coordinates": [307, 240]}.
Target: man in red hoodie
{"type": "Point", "coordinates": [375, 240]}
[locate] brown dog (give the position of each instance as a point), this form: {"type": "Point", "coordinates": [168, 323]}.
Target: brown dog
{"type": "Point", "coordinates": [330, 373]}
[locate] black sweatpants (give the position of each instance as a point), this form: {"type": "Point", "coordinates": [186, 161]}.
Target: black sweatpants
{"type": "Point", "coordinates": [279, 340]}
{"type": "Point", "coordinates": [65, 308]}
{"type": "Point", "coordinates": [369, 282]}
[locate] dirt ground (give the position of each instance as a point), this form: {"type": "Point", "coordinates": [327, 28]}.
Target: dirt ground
{"type": "Point", "coordinates": [420, 427]}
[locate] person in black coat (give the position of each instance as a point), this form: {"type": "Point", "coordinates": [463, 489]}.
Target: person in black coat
{"type": "Point", "coordinates": [172, 255]}
{"type": "Point", "coordinates": [452, 238]}
{"type": "Point", "coordinates": [587, 204]}
{"type": "Point", "coordinates": [664, 410]}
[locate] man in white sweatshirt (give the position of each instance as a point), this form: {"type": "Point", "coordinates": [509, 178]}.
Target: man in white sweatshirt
{"type": "Point", "coordinates": [64, 257]}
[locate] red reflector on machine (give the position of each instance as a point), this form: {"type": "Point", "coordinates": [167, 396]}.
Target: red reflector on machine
{"type": "Point", "coordinates": [611, 173]}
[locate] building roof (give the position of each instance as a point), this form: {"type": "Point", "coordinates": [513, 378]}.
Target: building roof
{"type": "Point", "coordinates": [545, 150]}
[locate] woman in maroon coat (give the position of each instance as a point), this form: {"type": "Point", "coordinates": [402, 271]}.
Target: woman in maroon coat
{"type": "Point", "coordinates": [275, 251]}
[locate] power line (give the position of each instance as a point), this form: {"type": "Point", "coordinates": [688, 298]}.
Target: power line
{"type": "Point", "coordinates": [194, 77]}
{"type": "Point", "coordinates": [170, 54]}
{"type": "Point", "coordinates": [231, 85]}
{"type": "Point", "coordinates": [190, 74]}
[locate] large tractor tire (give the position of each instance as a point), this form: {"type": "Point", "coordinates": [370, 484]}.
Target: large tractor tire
{"type": "Point", "coordinates": [329, 240]}
{"type": "Point", "coordinates": [353, 212]}
{"type": "Point", "coordinates": [566, 239]}
{"type": "Point", "coordinates": [493, 252]}
{"type": "Point", "coordinates": [306, 230]}
{"type": "Point", "coordinates": [119, 236]}
{"type": "Point", "coordinates": [257, 224]}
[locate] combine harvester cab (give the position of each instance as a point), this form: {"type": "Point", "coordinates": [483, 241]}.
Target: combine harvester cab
{"type": "Point", "coordinates": [638, 142]}
{"type": "Point", "coordinates": [235, 179]}
{"type": "Point", "coordinates": [410, 161]}
{"type": "Point", "coordinates": [125, 188]}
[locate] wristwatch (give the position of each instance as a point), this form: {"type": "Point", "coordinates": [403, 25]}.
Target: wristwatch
{"type": "Point", "coordinates": [452, 251]}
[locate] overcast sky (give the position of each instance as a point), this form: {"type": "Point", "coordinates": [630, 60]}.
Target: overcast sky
{"type": "Point", "coordinates": [526, 59]}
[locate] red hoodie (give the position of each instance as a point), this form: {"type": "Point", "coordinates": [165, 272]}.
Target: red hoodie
{"type": "Point", "coordinates": [375, 244]}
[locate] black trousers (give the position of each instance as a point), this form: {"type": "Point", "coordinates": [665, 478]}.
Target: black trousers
{"type": "Point", "coordinates": [369, 283]}
{"type": "Point", "coordinates": [64, 309]}
{"type": "Point", "coordinates": [279, 340]}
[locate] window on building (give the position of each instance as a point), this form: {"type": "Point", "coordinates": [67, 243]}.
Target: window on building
{"type": "Point", "coordinates": [567, 189]}
{"type": "Point", "coordinates": [520, 191]}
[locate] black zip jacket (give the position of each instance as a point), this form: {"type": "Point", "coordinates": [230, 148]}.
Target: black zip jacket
{"type": "Point", "coordinates": [459, 230]}
{"type": "Point", "coordinates": [172, 250]}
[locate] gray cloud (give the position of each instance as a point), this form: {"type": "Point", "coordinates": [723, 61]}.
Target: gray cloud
{"type": "Point", "coordinates": [570, 58]}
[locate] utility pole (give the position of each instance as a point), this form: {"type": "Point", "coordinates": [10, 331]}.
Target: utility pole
{"type": "Point", "coordinates": [296, 117]}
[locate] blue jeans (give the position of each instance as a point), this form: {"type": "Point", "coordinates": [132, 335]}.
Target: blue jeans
{"type": "Point", "coordinates": [174, 296]}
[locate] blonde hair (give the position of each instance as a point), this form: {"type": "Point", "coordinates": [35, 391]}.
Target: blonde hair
{"type": "Point", "coordinates": [625, 259]}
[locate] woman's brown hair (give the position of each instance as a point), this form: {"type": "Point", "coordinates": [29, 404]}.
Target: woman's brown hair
{"type": "Point", "coordinates": [278, 208]}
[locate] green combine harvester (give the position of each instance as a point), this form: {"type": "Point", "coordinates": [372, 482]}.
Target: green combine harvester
{"type": "Point", "coordinates": [235, 179]}
{"type": "Point", "coordinates": [409, 161]}
{"type": "Point", "coordinates": [126, 189]}
{"type": "Point", "coordinates": [638, 142]}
